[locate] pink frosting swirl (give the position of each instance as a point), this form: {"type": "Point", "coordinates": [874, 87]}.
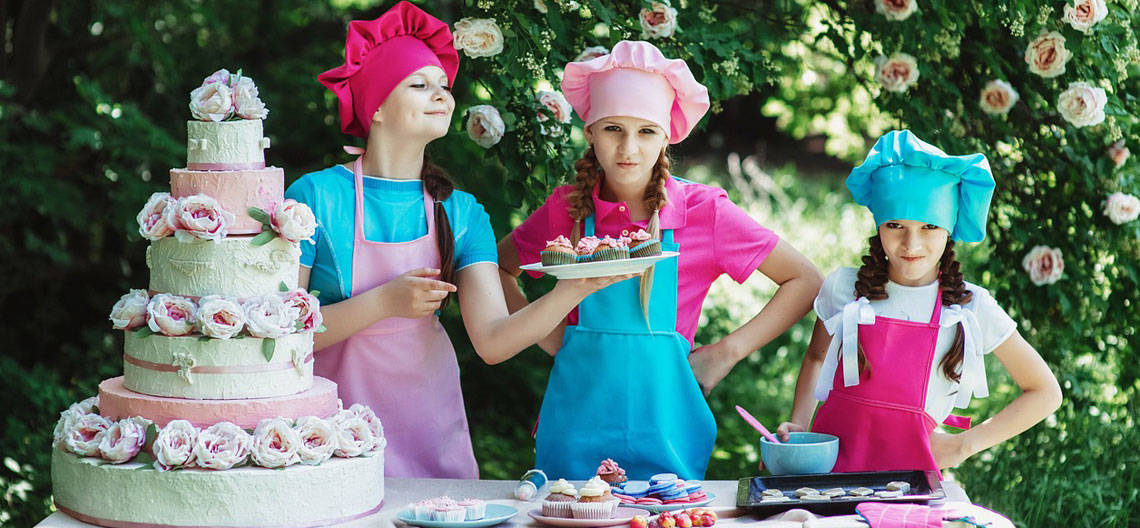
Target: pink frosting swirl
{"type": "Point", "coordinates": [587, 245]}
{"type": "Point", "coordinates": [560, 242]}
{"type": "Point", "coordinates": [640, 235]}
{"type": "Point", "coordinates": [609, 467]}
{"type": "Point", "coordinates": [615, 243]}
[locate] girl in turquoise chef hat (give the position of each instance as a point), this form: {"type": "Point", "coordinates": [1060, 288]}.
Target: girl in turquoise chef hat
{"type": "Point", "coordinates": [901, 341]}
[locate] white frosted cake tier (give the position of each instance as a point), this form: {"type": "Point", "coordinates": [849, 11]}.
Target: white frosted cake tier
{"type": "Point", "coordinates": [225, 145]}
{"type": "Point", "coordinates": [117, 402]}
{"type": "Point", "coordinates": [299, 496]}
{"type": "Point", "coordinates": [232, 267]}
{"type": "Point", "coordinates": [216, 369]}
{"type": "Point", "coordinates": [236, 191]}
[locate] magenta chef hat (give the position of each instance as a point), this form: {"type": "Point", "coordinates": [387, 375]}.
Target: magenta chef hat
{"type": "Point", "coordinates": [380, 53]}
{"type": "Point", "coordinates": [636, 80]}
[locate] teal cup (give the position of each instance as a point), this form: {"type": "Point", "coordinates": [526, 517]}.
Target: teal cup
{"type": "Point", "coordinates": [802, 454]}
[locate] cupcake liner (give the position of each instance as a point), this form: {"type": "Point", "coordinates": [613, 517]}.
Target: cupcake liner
{"type": "Point", "coordinates": [592, 510]}
{"type": "Point", "coordinates": [557, 509]}
{"type": "Point", "coordinates": [423, 512]}
{"type": "Point", "coordinates": [557, 258]}
{"type": "Point", "coordinates": [476, 511]}
{"type": "Point", "coordinates": [585, 258]}
{"type": "Point", "coordinates": [450, 515]}
{"type": "Point", "coordinates": [611, 254]}
{"type": "Point", "coordinates": [648, 248]}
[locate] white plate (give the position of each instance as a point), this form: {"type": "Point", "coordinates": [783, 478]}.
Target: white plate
{"type": "Point", "coordinates": [605, 268]}
{"type": "Point", "coordinates": [496, 513]}
{"type": "Point", "coordinates": [658, 508]}
{"type": "Point", "coordinates": [621, 516]}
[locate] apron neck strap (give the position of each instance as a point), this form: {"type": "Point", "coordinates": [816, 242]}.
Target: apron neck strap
{"type": "Point", "coordinates": [358, 189]}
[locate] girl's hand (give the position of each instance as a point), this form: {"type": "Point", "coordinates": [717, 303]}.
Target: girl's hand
{"type": "Point", "coordinates": [711, 363]}
{"type": "Point", "coordinates": [582, 288]}
{"type": "Point", "coordinates": [414, 294]}
{"type": "Point", "coordinates": [783, 433]}
{"type": "Point", "coordinates": [949, 450]}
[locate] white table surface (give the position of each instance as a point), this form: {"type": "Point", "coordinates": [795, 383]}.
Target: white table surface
{"type": "Point", "coordinates": [400, 492]}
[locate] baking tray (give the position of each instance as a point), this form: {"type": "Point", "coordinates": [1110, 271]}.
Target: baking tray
{"type": "Point", "coordinates": [925, 486]}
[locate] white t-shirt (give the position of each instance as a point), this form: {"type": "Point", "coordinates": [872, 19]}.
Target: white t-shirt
{"type": "Point", "coordinates": [916, 303]}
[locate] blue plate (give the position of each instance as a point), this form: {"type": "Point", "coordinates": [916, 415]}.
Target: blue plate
{"type": "Point", "coordinates": [496, 513]}
{"type": "Point", "coordinates": [658, 508]}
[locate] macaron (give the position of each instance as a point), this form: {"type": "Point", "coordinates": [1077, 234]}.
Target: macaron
{"type": "Point", "coordinates": [692, 486]}
{"type": "Point", "coordinates": [660, 487]}
{"type": "Point", "coordinates": [636, 488]}
{"type": "Point", "coordinates": [649, 500]}
{"type": "Point", "coordinates": [662, 477]}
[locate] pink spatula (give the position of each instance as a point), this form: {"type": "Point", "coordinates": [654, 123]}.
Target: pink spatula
{"type": "Point", "coordinates": [756, 425]}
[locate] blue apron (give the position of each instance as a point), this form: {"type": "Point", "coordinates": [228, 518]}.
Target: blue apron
{"type": "Point", "coordinates": [623, 391]}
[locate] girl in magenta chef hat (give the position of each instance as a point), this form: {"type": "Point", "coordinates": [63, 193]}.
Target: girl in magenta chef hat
{"type": "Point", "coordinates": [626, 382]}
{"type": "Point", "coordinates": [394, 239]}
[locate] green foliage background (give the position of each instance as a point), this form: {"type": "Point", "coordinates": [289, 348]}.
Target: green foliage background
{"type": "Point", "coordinates": [93, 99]}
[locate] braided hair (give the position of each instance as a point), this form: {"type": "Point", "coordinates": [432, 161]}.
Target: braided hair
{"type": "Point", "coordinates": [439, 187]}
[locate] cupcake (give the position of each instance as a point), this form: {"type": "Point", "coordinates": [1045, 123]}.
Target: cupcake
{"type": "Point", "coordinates": [591, 501]}
{"type": "Point", "coordinates": [562, 495]}
{"type": "Point", "coordinates": [643, 244]}
{"type": "Point", "coordinates": [612, 249]}
{"type": "Point", "coordinates": [475, 509]}
{"type": "Point", "coordinates": [423, 510]}
{"type": "Point", "coordinates": [558, 251]}
{"type": "Point", "coordinates": [449, 513]}
{"type": "Point", "coordinates": [586, 248]}
{"type": "Point", "coordinates": [610, 472]}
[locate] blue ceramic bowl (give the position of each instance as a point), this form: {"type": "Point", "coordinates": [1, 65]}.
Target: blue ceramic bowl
{"type": "Point", "coordinates": [802, 454]}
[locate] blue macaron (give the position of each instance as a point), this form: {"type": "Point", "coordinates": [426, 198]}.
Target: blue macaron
{"type": "Point", "coordinates": [636, 488]}
{"type": "Point", "coordinates": [661, 487]}
{"type": "Point", "coordinates": [662, 477]}
{"type": "Point", "coordinates": [692, 486]}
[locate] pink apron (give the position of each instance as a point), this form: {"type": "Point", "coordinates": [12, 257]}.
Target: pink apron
{"type": "Point", "coordinates": [404, 369]}
{"type": "Point", "coordinates": [881, 422]}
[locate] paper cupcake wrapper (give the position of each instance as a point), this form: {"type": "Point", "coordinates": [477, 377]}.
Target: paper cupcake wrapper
{"type": "Point", "coordinates": [557, 258]}
{"type": "Point", "coordinates": [556, 509]}
{"type": "Point", "coordinates": [611, 254]}
{"type": "Point", "coordinates": [592, 510]}
{"type": "Point", "coordinates": [646, 249]}
{"type": "Point", "coordinates": [450, 515]}
{"type": "Point", "coordinates": [476, 511]}
{"type": "Point", "coordinates": [585, 258]}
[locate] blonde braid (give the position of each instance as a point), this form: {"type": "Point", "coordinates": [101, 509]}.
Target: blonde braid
{"type": "Point", "coordinates": [655, 199]}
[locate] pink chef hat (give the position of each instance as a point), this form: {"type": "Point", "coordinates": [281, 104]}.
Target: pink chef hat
{"type": "Point", "coordinates": [636, 80]}
{"type": "Point", "coordinates": [380, 53]}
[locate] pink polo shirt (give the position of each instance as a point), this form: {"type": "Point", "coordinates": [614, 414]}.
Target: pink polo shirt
{"type": "Point", "coordinates": [716, 236]}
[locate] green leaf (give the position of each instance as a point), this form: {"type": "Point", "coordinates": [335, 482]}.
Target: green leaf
{"type": "Point", "coordinates": [144, 331]}
{"type": "Point", "coordinates": [315, 293]}
{"type": "Point", "coordinates": [321, 329]}
{"type": "Point", "coordinates": [146, 459]}
{"type": "Point", "coordinates": [204, 338]}
{"type": "Point", "coordinates": [151, 434]}
{"type": "Point", "coordinates": [263, 238]}
{"type": "Point", "coordinates": [260, 215]}
{"type": "Point", "coordinates": [267, 346]}
{"type": "Point", "coordinates": [283, 287]}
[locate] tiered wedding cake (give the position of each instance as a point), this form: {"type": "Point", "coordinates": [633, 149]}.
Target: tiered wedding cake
{"type": "Point", "coordinates": [218, 419]}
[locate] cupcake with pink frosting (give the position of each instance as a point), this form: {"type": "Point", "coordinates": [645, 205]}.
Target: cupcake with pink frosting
{"type": "Point", "coordinates": [475, 508]}
{"type": "Point", "coordinates": [586, 248]}
{"type": "Point", "coordinates": [612, 248]}
{"type": "Point", "coordinates": [558, 252]}
{"type": "Point", "coordinates": [610, 472]}
{"type": "Point", "coordinates": [643, 244]}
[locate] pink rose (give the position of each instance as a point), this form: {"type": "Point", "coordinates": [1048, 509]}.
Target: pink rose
{"type": "Point", "coordinates": [1047, 55]}
{"type": "Point", "coordinates": [123, 440]}
{"type": "Point", "coordinates": [1119, 153]}
{"type": "Point", "coordinates": [308, 310]}
{"type": "Point", "coordinates": [592, 52]}
{"type": "Point", "coordinates": [1084, 14]}
{"type": "Point", "coordinates": [174, 446]}
{"type": "Point", "coordinates": [153, 223]}
{"type": "Point", "coordinates": [212, 102]}
{"type": "Point", "coordinates": [130, 311]}
{"type": "Point", "coordinates": [559, 108]}
{"type": "Point", "coordinates": [293, 220]}
{"type": "Point", "coordinates": [896, 9]}
{"type": "Point", "coordinates": [365, 413]}
{"type": "Point", "coordinates": [219, 317]}
{"type": "Point", "coordinates": [220, 76]}
{"type": "Point", "coordinates": [222, 446]}
{"type": "Point", "coordinates": [484, 125]}
{"type": "Point", "coordinates": [267, 316]}
{"type": "Point", "coordinates": [1121, 208]}
{"type": "Point", "coordinates": [896, 73]}
{"type": "Point", "coordinates": [171, 315]}
{"type": "Point", "coordinates": [1044, 265]}
{"type": "Point", "coordinates": [275, 443]}
{"type": "Point", "coordinates": [88, 406]}
{"type": "Point", "coordinates": [998, 97]}
{"type": "Point", "coordinates": [1082, 104]}
{"type": "Point", "coordinates": [318, 440]}
{"type": "Point", "coordinates": [85, 434]}
{"type": "Point", "coordinates": [354, 437]}
{"type": "Point", "coordinates": [200, 217]}
{"type": "Point", "coordinates": [659, 20]}
{"type": "Point", "coordinates": [247, 104]}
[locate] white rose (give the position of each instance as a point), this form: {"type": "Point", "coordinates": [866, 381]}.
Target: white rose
{"type": "Point", "coordinates": [1047, 55]}
{"type": "Point", "coordinates": [246, 102]}
{"type": "Point", "coordinates": [1084, 14]}
{"type": "Point", "coordinates": [592, 52]}
{"type": "Point", "coordinates": [1121, 208]}
{"type": "Point", "coordinates": [199, 216]}
{"type": "Point", "coordinates": [85, 434]}
{"type": "Point", "coordinates": [222, 446]}
{"type": "Point", "coordinates": [221, 76]}
{"type": "Point", "coordinates": [308, 309]}
{"type": "Point", "coordinates": [174, 445]}
{"type": "Point", "coordinates": [896, 9]}
{"type": "Point", "coordinates": [353, 436]}
{"type": "Point", "coordinates": [87, 406]}
{"type": "Point", "coordinates": [1044, 265]}
{"type": "Point", "coordinates": [896, 73]}
{"type": "Point", "coordinates": [318, 440]}
{"type": "Point", "coordinates": [998, 97]}
{"type": "Point", "coordinates": [123, 440]}
{"type": "Point", "coordinates": [659, 20]}
{"type": "Point", "coordinates": [478, 37]}
{"type": "Point", "coordinates": [484, 125]}
{"type": "Point", "coordinates": [153, 223]}
{"type": "Point", "coordinates": [365, 413]}
{"type": "Point", "coordinates": [293, 220]}
{"type": "Point", "coordinates": [130, 311]}
{"type": "Point", "coordinates": [171, 315]}
{"type": "Point", "coordinates": [64, 426]}
{"type": "Point", "coordinates": [1118, 153]}
{"type": "Point", "coordinates": [540, 6]}
{"type": "Point", "coordinates": [275, 443]}
{"type": "Point", "coordinates": [1082, 104]}
{"type": "Point", "coordinates": [219, 317]}
{"type": "Point", "coordinates": [212, 102]}
{"type": "Point", "coordinates": [268, 316]}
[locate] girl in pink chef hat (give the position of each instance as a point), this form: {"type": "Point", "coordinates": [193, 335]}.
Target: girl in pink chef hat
{"type": "Point", "coordinates": [394, 239]}
{"type": "Point", "coordinates": [627, 383]}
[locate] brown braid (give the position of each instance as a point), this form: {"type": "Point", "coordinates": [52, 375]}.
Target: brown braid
{"type": "Point", "coordinates": [439, 186]}
{"type": "Point", "coordinates": [871, 283]}
{"type": "Point", "coordinates": [581, 199]}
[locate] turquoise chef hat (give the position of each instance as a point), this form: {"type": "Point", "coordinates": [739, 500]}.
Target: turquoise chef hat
{"type": "Point", "coordinates": [905, 178]}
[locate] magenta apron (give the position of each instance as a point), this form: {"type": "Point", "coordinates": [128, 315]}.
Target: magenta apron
{"type": "Point", "coordinates": [881, 422]}
{"type": "Point", "coordinates": [404, 369]}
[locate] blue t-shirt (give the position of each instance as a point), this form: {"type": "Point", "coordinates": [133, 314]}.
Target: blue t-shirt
{"type": "Point", "coordinates": [393, 212]}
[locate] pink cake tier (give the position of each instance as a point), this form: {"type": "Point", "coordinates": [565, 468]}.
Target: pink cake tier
{"type": "Point", "coordinates": [116, 402]}
{"type": "Point", "coordinates": [235, 190]}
